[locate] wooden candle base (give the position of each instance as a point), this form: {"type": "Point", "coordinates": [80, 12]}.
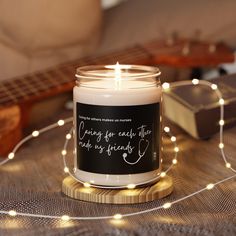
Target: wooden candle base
{"type": "Point", "coordinates": [76, 190]}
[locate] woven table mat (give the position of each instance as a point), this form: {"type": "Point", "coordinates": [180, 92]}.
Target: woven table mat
{"type": "Point", "coordinates": [32, 183]}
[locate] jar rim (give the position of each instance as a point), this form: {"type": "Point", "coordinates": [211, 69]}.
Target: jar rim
{"type": "Point", "coordinates": [131, 72]}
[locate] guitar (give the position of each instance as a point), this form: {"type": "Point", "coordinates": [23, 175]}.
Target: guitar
{"type": "Point", "coordinates": [19, 94]}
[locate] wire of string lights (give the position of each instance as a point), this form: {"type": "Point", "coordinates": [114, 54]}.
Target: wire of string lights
{"type": "Point", "coordinates": [118, 216]}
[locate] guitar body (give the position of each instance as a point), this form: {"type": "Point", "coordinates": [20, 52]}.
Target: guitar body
{"type": "Point", "coordinates": [19, 94]}
{"type": "Point", "coordinates": [10, 128]}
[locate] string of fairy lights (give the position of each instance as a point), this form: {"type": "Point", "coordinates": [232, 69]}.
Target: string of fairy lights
{"type": "Point", "coordinates": [118, 216]}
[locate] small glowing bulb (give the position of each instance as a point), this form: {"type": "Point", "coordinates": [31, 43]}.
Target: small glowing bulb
{"type": "Point", "coordinates": [163, 174]}
{"type": "Point", "coordinates": [222, 101]}
{"type": "Point", "coordinates": [131, 186]}
{"type": "Point", "coordinates": [214, 86]}
{"type": "Point", "coordinates": [228, 165]}
{"type": "Point", "coordinates": [161, 160]}
{"type": "Point", "coordinates": [87, 185]}
{"type": "Point", "coordinates": [167, 205]}
{"type": "Point", "coordinates": [66, 169]}
{"type": "Point", "coordinates": [221, 145]}
{"type": "Point", "coordinates": [165, 86]}
{"type": "Point", "coordinates": [35, 133]}
{"type": "Point", "coordinates": [176, 149]}
{"type": "Point", "coordinates": [210, 186]}
{"type": "Point", "coordinates": [167, 129]}
{"type": "Point", "coordinates": [11, 155]}
{"type": "Point", "coordinates": [221, 122]}
{"type": "Point", "coordinates": [12, 213]}
{"type": "Point", "coordinates": [61, 122]}
{"type": "Point", "coordinates": [117, 216]}
{"type": "Point", "coordinates": [68, 136]}
{"type": "Point", "coordinates": [174, 161]}
{"type": "Point", "coordinates": [65, 217]}
{"type": "Point", "coordinates": [63, 152]}
{"type": "Point", "coordinates": [195, 81]}
{"type": "Point", "coordinates": [173, 138]}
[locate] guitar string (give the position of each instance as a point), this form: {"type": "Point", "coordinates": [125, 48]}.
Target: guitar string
{"type": "Point", "coordinates": [149, 47]}
{"type": "Point", "coordinates": [28, 88]}
{"type": "Point", "coordinates": [123, 55]}
{"type": "Point", "coordinates": [46, 78]}
{"type": "Point", "coordinates": [26, 91]}
{"type": "Point", "coordinates": [39, 83]}
{"type": "Point", "coordinates": [135, 52]}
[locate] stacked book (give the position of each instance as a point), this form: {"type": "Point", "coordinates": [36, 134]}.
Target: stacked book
{"type": "Point", "coordinates": [196, 108]}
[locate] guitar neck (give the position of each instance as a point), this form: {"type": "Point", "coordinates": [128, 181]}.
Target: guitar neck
{"type": "Point", "coordinates": [60, 79]}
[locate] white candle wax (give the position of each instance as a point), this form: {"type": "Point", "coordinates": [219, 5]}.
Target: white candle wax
{"type": "Point", "coordinates": [122, 94]}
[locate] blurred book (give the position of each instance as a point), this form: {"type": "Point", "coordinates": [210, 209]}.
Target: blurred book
{"type": "Point", "coordinates": [196, 109]}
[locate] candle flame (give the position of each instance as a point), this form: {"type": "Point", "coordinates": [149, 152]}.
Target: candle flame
{"type": "Point", "coordinates": [117, 71]}
{"type": "Point", "coordinates": [117, 75]}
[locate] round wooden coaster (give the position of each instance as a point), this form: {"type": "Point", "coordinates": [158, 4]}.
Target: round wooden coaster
{"type": "Point", "coordinates": [76, 190]}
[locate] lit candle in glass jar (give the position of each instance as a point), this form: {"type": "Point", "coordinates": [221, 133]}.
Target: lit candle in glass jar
{"type": "Point", "coordinates": [117, 124]}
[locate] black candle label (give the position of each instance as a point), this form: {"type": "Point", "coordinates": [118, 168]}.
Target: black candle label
{"type": "Point", "coordinates": [117, 139]}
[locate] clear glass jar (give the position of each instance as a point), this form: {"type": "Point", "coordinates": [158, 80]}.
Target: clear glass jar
{"type": "Point", "coordinates": [117, 120]}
